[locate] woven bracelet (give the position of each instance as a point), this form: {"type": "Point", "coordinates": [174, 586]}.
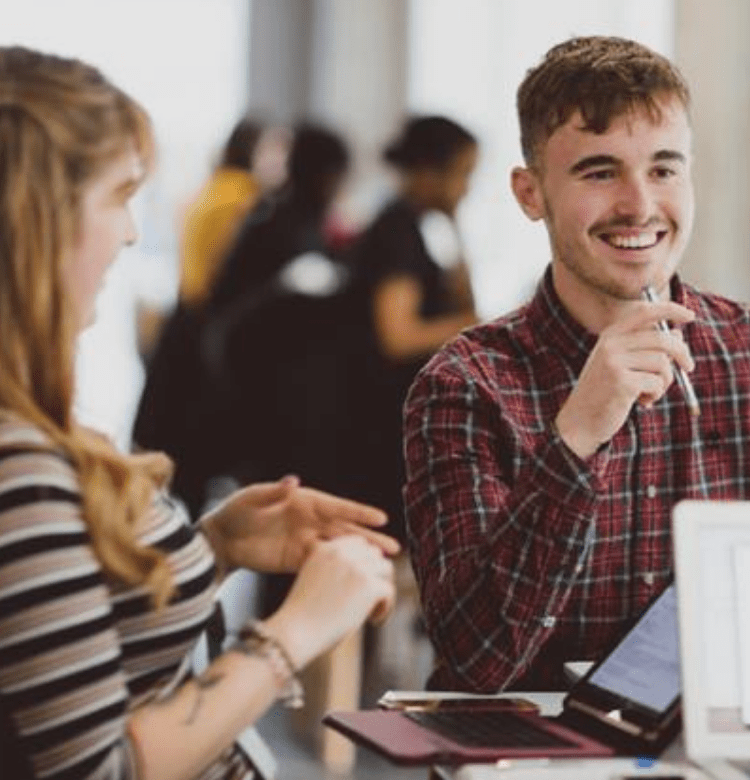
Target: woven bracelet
{"type": "Point", "coordinates": [255, 640]}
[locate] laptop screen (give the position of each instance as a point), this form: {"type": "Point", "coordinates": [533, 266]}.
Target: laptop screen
{"type": "Point", "coordinates": [644, 668]}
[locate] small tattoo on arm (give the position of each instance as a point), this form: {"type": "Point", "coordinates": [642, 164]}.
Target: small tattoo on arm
{"type": "Point", "coordinates": [203, 683]}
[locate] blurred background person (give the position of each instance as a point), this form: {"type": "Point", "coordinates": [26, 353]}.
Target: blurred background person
{"type": "Point", "coordinates": [207, 228]}
{"type": "Point", "coordinates": [272, 337]}
{"type": "Point", "coordinates": [415, 303]}
{"type": "Point", "coordinates": [292, 222]}
{"type": "Point", "coordinates": [212, 219]}
{"type": "Point", "coordinates": [245, 357]}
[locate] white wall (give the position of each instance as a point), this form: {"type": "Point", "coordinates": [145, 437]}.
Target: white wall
{"type": "Point", "coordinates": [357, 85]}
{"type": "Point", "coordinates": [712, 50]}
{"type": "Point", "coordinates": [468, 65]}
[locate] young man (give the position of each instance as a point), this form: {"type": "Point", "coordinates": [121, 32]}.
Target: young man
{"type": "Point", "coordinates": [545, 450]}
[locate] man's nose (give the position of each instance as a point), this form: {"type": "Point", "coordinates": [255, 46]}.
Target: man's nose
{"type": "Point", "coordinates": [635, 198]}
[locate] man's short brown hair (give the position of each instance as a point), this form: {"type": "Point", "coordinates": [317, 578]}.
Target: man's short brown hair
{"type": "Point", "coordinates": [602, 78]}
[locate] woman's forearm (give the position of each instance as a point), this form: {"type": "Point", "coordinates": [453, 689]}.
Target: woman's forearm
{"type": "Point", "coordinates": [178, 737]}
{"type": "Point", "coordinates": [402, 332]}
{"type": "Point", "coordinates": [426, 336]}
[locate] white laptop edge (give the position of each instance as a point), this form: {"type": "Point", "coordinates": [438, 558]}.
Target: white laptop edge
{"type": "Point", "coordinates": [690, 517]}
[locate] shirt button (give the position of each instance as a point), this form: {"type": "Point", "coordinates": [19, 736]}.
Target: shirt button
{"type": "Point", "coordinates": [548, 621]}
{"type": "Point", "coordinates": [648, 578]}
{"type": "Point", "coordinates": [651, 491]}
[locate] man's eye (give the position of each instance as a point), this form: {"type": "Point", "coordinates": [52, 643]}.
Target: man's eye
{"type": "Point", "coordinates": [600, 174]}
{"type": "Point", "coordinates": [664, 172]}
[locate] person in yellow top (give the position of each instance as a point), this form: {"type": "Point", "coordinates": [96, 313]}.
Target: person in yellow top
{"type": "Point", "coordinates": [214, 215]}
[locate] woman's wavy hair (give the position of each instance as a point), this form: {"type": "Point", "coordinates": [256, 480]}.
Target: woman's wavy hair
{"type": "Point", "coordinates": [61, 124]}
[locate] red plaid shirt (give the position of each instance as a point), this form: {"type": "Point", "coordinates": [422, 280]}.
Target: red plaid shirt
{"type": "Point", "coordinates": [527, 556]}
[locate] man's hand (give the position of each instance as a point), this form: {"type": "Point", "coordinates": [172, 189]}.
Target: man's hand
{"type": "Point", "coordinates": [272, 526]}
{"type": "Point", "coordinates": [631, 362]}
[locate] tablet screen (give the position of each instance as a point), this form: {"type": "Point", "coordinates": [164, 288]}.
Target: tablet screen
{"type": "Point", "coordinates": [644, 668]}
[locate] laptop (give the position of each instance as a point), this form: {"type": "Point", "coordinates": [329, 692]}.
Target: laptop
{"type": "Point", "coordinates": [712, 569]}
{"type": "Point", "coordinates": [626, 704]}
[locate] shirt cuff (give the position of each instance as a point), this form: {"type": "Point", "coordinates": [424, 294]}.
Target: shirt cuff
{"type": "Point", "coordinates": [569, 479]}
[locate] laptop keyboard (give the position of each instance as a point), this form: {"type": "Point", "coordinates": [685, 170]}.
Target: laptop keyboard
{"type": "Point", "coordinates": [485, 728]}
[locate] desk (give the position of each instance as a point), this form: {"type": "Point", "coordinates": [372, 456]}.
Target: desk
{"type": "Point", "coordinates": [671, 762]}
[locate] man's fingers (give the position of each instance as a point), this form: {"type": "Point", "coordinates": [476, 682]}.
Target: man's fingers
{"type": "Point", "coordinates": [670, 344]}
{"type": "Point", "coordinates": [652, 386]}
{"type": "Point", "coordinates": [681, 352]}
{"type": "Point", "coordinates": [648, 315]}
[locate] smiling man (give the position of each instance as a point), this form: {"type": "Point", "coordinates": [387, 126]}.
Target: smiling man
{"type": "Point", "coordinates": [545, 450]}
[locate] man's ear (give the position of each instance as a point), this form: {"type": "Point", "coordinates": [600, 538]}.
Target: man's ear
{"type": "Point", "coordinates": [528, 191]}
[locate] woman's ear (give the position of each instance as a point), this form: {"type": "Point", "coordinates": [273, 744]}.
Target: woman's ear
{"type": "Point", "coordinates": [528, 191]}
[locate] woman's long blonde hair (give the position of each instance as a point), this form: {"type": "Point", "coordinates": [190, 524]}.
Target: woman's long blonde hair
{"type": "Point", "coordinates": [61, 124]}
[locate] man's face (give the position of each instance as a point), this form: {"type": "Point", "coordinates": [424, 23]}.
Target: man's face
{"type": "Point", "coordinates": [618, 206]}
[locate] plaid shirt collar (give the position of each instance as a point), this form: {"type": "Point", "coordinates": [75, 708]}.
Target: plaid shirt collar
{"type": "Point", "coordinates": [559, 329]}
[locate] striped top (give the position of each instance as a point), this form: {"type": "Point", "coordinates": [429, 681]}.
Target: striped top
{"type": "Point", "coordinates": [77, 650]}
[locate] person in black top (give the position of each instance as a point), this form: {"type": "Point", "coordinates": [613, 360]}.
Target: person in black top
{"type": "Point", "coordinates": [239, 384]}
{"type": "Point", "coordinates": [415, 304]}
{"type": "Point", "coordinates": [291, 221]}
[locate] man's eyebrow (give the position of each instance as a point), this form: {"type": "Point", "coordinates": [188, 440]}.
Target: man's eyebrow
{"type": "Point", "coordinates": [593, 161]}
{"type": "Point", "coordinates": [597, 160]}
{"type": "Point", "coordinates": [669, 154]}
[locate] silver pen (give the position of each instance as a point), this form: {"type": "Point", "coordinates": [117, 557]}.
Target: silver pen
{"type": "Point", "coordinates": [683, 380]}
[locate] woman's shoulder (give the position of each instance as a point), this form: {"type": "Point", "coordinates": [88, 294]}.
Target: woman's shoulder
{"type": "Point", "coordinates": [42, 531]}
{"type": "Point", "coordinates": [15, 431]}
{"type": "Point", "coordinates": [392, 243]}
{"type": "Point", "coordinates": [32, 463]}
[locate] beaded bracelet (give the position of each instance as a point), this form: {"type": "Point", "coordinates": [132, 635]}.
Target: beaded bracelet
{"type": "Point", "coordinates": [255, 640]}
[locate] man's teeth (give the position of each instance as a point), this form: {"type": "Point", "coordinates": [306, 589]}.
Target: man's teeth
{"type": "Point", "coordinates": [641, 241]}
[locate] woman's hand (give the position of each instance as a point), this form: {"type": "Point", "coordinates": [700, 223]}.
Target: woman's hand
{"type": "Point", "coordinates": [343, 582]}
{"type": "Point", "coordinates": [272, 526]}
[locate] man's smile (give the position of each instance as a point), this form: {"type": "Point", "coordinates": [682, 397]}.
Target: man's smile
{"type": "Point", "coordinates": [645, 239]}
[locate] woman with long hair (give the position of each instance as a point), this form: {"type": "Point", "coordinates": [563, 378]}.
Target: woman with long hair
{"type": "Point", "coordinates": [104, 584]}
{"type": "Point", "coordinates": [213, 217]}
